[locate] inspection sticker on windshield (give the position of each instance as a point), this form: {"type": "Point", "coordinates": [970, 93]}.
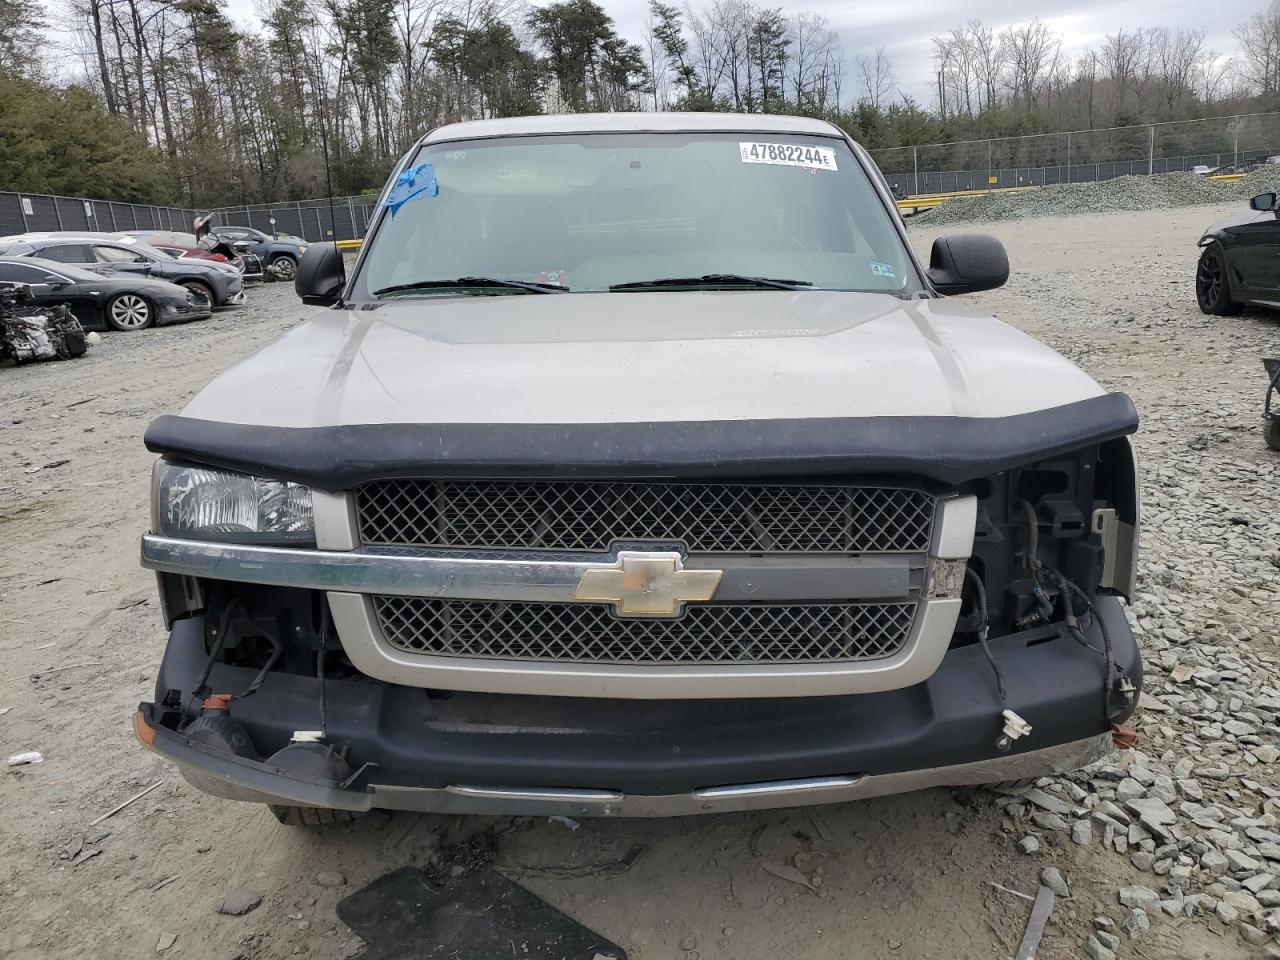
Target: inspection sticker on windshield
{"type": "Point", "coordinates": [789, 155]}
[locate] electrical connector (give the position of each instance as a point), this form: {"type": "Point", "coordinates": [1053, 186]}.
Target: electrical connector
{"type": "Point", "coordinates": [1015, 728]}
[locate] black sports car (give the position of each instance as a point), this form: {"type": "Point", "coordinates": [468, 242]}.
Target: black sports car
{"type": "Point", "coordinates": [1240, 260]}
{"type": "Point", "coordinates": [116, 302]}
{"type": "Point", "coordinates": [220, 283]}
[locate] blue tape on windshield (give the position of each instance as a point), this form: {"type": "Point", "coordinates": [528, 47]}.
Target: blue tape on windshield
{"type": "Point", "coordinates": [417, 181]}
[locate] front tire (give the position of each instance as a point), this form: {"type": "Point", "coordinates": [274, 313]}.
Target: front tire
{"type": "Point", "coordinates": [1213, 291]}
{"type": "Point", "coordinates": [127, 312]}
{"type": "Point", "coordinates": [201, 290]}
{"type": "Point", "coordinates": [283, 267]}
{"type": "Point", "coordinates": [312, 816]}
{"type": "Point", "coordinates": [1271, 432]}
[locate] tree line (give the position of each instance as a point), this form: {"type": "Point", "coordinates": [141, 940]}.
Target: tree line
{"type": "Point", "coordinates": [169, 101]}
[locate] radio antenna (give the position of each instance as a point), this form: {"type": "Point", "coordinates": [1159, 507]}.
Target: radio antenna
{"type": "Point", "coordinates": [328, 179]}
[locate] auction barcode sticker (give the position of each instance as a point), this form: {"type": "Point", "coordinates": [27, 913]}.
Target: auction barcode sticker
{"type": "Point", "coordinates": [789, 155]}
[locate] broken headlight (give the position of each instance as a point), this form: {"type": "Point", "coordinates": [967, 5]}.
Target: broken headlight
{"type": "Point", "coordinates": [203, 503]}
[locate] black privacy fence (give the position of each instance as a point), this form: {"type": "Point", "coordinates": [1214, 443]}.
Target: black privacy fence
{"type": "Point", "coordinates": [310, 219]}
{"type": "Point", "coordinates": [34, 212]}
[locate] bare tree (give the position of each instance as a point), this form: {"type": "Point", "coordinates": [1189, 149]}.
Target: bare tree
{"type": "Point", "coordinates": [656, 56]}
{"type": "Point", "coordinates": [989, 57]}
{"type": "Point", "coordinates": [875, 77]}
{"type": "Point", "coordinates": [1121, 55]}
{"type": "Point", "coordinates": [1259, 39]}
{"type": "Point", "coordinates": [811, 42]}
{"type": "Point", "coordinates": [1213, 77]}
{"type": "Point", "coordinates": [1032, 53]}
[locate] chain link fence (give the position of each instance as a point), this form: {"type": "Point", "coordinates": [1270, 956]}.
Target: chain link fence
{"type": "Point", "coordinates": [1081, 155]}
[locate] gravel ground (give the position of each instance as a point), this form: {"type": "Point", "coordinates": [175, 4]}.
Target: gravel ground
{"type": "Point", "coordinates": [1171, 851]}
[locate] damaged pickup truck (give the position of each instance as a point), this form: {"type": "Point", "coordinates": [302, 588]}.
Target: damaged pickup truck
{"type": "Point", "coordinates": [639, 468]}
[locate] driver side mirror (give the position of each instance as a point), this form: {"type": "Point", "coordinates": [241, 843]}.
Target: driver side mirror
{"type": "Point", "coordinates": [1263, 201]}
{"type": "Point", "coordinates": [966, 263]}
{"type": "Point", "coordinates": [53, 280]}
{"type": "Point", "coordinates": [321, 275]}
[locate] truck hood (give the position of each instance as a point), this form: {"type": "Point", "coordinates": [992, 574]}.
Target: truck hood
{"type": "Point", "coordinates": [643, 357]}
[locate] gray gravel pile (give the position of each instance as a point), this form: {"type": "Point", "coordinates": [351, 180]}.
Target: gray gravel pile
{"type": "Point", "coordinates": [1104, 196]}
{"type": "Point", "coordinates": [1263, 180]}
{"type": "Point", "coordinates": [1194, 808]}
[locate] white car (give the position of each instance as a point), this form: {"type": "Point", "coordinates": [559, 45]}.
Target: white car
{"type": "Point", "coordinates": [639, 468]}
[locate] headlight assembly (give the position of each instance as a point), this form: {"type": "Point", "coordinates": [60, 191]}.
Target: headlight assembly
{"type": "Point", "coordinates": [204, 503]}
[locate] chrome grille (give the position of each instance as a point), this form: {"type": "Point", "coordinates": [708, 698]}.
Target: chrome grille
{"type": "Point", "coordinates": [705, 517]}
{"type": "Point", "coordinates": [589, 633]}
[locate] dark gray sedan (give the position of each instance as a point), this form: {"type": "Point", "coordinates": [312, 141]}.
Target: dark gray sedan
{"type": "Point", "coordinates": [219, 283]}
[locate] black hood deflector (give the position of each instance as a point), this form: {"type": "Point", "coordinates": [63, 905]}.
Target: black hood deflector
{"type": "Point", "coordinates": [949, 450]}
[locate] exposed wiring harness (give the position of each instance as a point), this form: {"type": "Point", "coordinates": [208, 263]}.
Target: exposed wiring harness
{"type": "Point", "coordinates": [984, 629]}
{"type": "Point", "coordinates": [1039, 573]}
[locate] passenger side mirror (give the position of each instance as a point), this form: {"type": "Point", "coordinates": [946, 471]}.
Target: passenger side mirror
{"type": "Point", "coordinates": [320, 275]}
{"type": "Point", "coordinates": [966, 263]}
{"type": "Point", "coordinates": [1263, 201]}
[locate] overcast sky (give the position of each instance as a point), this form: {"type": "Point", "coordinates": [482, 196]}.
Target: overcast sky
{"type": "Point", "coordinates": [903, 28]}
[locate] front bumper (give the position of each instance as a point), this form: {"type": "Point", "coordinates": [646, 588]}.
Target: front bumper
{"type": "Point", "coordinates": [182, 312]}
{"type": "Point", "coordinates": [500, 754]}
{"type": "Point", "coordinates": [229, 290]}
{"type": "Point", "coordinates": [250, 267]}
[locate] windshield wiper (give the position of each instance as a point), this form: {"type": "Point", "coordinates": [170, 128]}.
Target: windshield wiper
{"type": "Point", "coordinates": [465, 283]}
{"type": "Point", "coordinates": [716, 279]}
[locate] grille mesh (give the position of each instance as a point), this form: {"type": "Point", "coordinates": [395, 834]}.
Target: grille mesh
{"type": "Point", "coordinates": [706, 517]}
{"type": "Point", "coordinates": [589, 633]}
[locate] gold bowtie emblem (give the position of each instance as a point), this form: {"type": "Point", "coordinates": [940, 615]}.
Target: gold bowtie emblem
{"type": "Point", "coordinates": [647, 584]}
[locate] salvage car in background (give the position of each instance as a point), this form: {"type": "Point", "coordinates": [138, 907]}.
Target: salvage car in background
{"type": "Point", "coordinates": [219, 283]}
{"type": "Point", "coordinates": [1240, 260]}
{"type": "Point", "coordinates": [279, 253]}
{"type": "Point", "coordinates": [113, 302]}
{"type": "Point", "coordinates": [181, 245]}
{"type": "Point", "coordinates": [668, 481]}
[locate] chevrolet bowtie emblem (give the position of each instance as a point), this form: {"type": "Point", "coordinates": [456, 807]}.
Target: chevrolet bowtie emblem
{"type": "Point", "coordinates": [645, 584]}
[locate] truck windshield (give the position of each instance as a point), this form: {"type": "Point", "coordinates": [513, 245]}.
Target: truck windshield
{"type": "Point", "coordinates": [595, 212]}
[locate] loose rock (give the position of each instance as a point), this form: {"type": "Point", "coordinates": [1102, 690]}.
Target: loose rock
{"type": "Point", "coordinates": [238, 902]}
{"type": "Point", "coordinates": [1052, 878]}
